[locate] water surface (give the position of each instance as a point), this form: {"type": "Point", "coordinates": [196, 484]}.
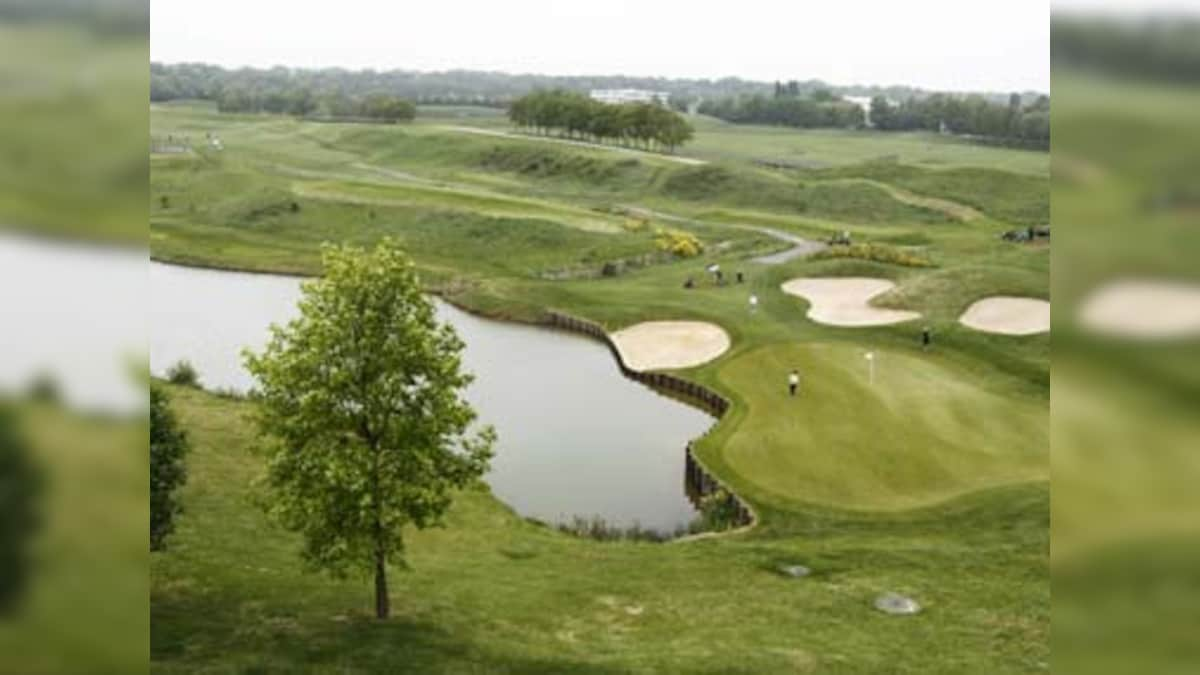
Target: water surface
{"type": "Point", "coordinates": [576, 437]}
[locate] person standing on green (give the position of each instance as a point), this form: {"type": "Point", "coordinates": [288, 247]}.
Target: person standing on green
{"type": "Point", "coordinates": [793, 382]}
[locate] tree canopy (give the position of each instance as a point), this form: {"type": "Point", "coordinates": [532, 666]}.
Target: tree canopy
{"type": "Point", "coordinates": [304, 103]}
{"type": "Point", "coordinates": [168, 446]}
{"type": "Point", "coordinates": [579, 116]}
{"type": "Point", "coordinates": [787, 109]}
{"type": "Point", "coordinates": [364, 424]}
{"type": "Point", "coordinates": [1009, 123]}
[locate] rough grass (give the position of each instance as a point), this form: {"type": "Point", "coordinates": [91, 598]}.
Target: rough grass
{"type": "Point", "coordinates": [1014, 198]}
{"type": "Point", "coordinates": [848, 202]}
{"type": "Point", "coordinates": [822, 148]}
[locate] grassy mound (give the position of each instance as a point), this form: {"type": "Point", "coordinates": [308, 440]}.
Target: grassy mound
{"type": "Point", "coordinates": [548, 162]}
{"type": "Point", "coordinates": [1021, 199]}
{"type": "Point", "coordinates": [846, 202]}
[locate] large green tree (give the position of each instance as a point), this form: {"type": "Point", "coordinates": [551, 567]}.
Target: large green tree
{"type": "Point", "coordinates": [362, 412]}
{"type": "Point", "coordinates": [168, 446]}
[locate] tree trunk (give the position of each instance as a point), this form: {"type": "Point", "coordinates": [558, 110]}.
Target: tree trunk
{"type": "Point", "coordinates": [383, 608]}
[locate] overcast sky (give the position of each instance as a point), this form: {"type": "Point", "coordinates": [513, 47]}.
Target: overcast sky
{"type": "Point", "coordinates": [998, 45]}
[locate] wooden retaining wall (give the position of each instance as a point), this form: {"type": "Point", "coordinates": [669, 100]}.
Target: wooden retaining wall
{"type": "Point", "coordinates": [698, 481]}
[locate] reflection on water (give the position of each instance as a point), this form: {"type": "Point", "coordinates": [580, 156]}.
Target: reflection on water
{"type": "Point", "coordinates": [576, 437]}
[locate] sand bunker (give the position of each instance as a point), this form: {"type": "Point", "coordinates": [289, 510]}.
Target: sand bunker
{"type": "Point", "coordinates": [1143, 309]}
{"type": "Point", "coordinates": [842, 301]}
{"type": "Point", "coordinates": [1008, 315]}
{"type": "Point", "coordinates": [663, 345]}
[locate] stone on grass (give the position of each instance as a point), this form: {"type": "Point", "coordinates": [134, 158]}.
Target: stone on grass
{"type": "Point", "coordinates": [795, 570]}
{"type": "Point", "coordinates": [894, 603]}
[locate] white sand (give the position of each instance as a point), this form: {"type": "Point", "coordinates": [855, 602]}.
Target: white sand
{"type": "Point", "coordinates": [843, 301]}
{"type": "Point", "coordinates": [1143, 309]}
{"type": "Point", "coordinates": [663, 345]}
{"type": "Point", "coordinates": [1008, 315]}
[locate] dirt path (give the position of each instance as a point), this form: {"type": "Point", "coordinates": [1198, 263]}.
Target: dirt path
{"type": "Point", "coordinates": [801, 247]}
{"type": "Point", "coordinates": [566, 141]}
{"type": "Point", "coordinates": [955, 210]}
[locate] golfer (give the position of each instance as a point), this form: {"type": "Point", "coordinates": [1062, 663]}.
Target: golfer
{"type": "Point", "coordinates": [753, 302]}
{"type": "Point", "coordinates": [926, 339]}
{"type": "Point", "coordinates": [793, 382]}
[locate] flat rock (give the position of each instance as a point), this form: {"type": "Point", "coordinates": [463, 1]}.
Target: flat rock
{"type": "Point", "coordinates": [795, 570]}
{"type": "Point", "coordinates": [894, 603]}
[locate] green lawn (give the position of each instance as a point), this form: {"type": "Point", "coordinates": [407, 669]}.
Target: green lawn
{"type": "Point", "coordinates": [932, 481]}
{"type": "Point", "coordinates": [717, 140]}
{"type": "Point", "coordinates": [936, 432]}
{"type": "Point", "coordinates": [492, 593]}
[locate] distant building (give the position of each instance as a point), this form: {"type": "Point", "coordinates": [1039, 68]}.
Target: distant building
{"type": "Point", "coordinates": [629, 96]}
{"type": "Point", "coordinates": [863, 102]}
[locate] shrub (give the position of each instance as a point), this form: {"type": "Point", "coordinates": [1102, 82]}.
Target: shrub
{"type": "Point", "coordinates": [635, 224]}
{"type": "Point", "coordinates": [43, 388]}
{"type": "Point", "coordinates": [875, 252]}
{"type": "Point", "coordinates": [168, 445]}
{"type": "Point", "coordinates": [183, 373]}
{"type": "Point", "coordinates": [679, 243]}
{"type": "Point", "coordinates": [719, 510]}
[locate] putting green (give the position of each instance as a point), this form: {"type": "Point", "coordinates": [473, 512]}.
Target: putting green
{"type": "Point", "coordinates": [923, 431]}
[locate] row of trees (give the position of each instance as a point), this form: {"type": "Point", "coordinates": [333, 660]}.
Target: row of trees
{"type": "Point", "coordinates": [303, 103]}
{"type": "Point", "coordinates": [1013, 123]}
{"type": "Point", "coordinates": [787, 109]}
{"type": "Point", "coordinates": [577, 116]}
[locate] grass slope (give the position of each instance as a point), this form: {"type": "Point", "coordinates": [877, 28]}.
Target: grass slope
{"type": "Point", "coordinates": [492, 593]}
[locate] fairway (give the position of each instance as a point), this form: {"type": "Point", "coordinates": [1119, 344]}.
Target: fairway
{"type": "Point", "coordinates": [920, 432]}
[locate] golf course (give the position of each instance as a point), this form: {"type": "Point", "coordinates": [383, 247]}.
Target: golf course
{"type": "Point", "coordinates": [912, 459]}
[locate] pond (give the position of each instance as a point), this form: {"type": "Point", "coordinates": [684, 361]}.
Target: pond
{"type": "Point", "coordinates": [576, 437]}
{"type": "Point", "coordinates": [72, 314]}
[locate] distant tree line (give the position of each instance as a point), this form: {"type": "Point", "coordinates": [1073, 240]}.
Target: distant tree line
{"type": "Point", "coordinates": [114, 18]}
{"type": "Point", "coordinates": [1013, 123]}
{"type": "Point", "coordinates": [303, 103]}
{"type": "Point", "coordinates": [1019, 121]}
{"type": "Point", "coordinates": [468, 87]}
{"type": "Point", "coordinates": [788, 109]}
{"type": "Point", "coordinates": [575, 115]}
{"type": "Point", "coordinates": [807, 103]}
{"type": "Point", "coordinates": [454, 87]}
{"type": "Point", "coordinates": [1160, 48]}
